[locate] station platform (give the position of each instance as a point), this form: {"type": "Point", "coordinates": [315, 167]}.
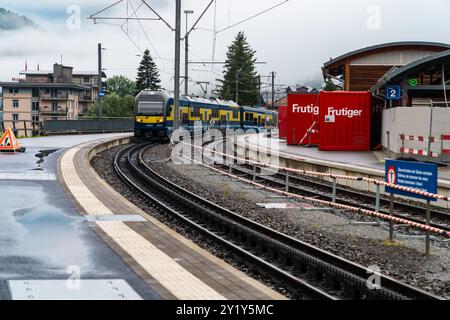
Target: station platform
{"type": "Point", "coordinates": [66, 234]}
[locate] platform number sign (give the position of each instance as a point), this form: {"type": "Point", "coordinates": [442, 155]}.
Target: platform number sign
{"type": "Point", "coordinates": [393, 93]}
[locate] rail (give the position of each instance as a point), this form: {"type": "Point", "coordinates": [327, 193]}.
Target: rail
{"type": "Point", "coordinates": [328, 175]}
{"type": "Point", "coordinates": [249, 239]}
{"type": "Point", "coordinates": [328, 203]}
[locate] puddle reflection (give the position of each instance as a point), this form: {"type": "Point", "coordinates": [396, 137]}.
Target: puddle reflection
{"type": "Point", "coordinates": [32, 228]}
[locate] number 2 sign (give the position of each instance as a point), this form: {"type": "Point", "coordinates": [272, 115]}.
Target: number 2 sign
{"type": "Point", "coordinates": [393, 93]}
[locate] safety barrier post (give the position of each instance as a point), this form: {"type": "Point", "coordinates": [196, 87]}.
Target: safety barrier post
{"type": "Point", "coordinates": [287, 181]}
{"type": "Point", "coordinates": [388, 133]}
{"type": "Point", "coordinates": [403, 144]}
{"type": "Point", "coordinates": [377, 199]}
{"type": "Point", "coordinates": [427, 244]}
{"type": "Point", "coordinates": [334, 190]}
{"type": "Point", "coordinates": [391, 214]}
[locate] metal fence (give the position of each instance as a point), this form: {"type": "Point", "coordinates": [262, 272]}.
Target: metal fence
{"type": "Point", "coordinates": [29, 128]}
{"type": "Point", "coordinates": [88, 125]}
{"type": "Point", "coordinates": [26, 128]}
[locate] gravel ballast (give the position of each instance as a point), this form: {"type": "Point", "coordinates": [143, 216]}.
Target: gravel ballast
{"type": "Point", "coordinates": [365, 245]}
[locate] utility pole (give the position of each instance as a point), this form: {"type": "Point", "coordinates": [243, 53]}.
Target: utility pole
{"type": "Point", "coordinates": [177, 65]}
{"type": "Point", "coordinates": [100, 84]}
{"type": "Point", "coordinates": [186, 54]}
{"type": "Point", "coordinates": [273, 90]}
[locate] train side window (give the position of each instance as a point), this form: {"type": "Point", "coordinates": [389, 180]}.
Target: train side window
{"type": "Point", "coordinates": [236, 114]}
{"type": "Point", "coordinates": [206, 115]}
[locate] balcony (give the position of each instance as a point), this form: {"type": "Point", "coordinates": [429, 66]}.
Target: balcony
{"type": "Point", "coordinates": [49, 96]}
{"type": "Point", "coordinates": [85, 98]}
{"type": "Point", "coordinates": [45, 112]}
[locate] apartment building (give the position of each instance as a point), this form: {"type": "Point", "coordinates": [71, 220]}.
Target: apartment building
{"type": "Point", "coordinates": [61, 94]}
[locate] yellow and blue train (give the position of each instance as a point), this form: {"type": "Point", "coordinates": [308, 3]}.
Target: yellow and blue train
{"type": "Point", "coordinates": [154, 114]}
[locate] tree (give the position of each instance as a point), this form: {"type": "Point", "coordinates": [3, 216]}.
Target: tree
{"type": "Point", "coordinates": [121, 85]}
{"type": "Point", "coordinates": [114, 106]}
{"type": "Point", "coordinates": [148, 75]}
{"type": "Point", "coordinates": [240, 70]}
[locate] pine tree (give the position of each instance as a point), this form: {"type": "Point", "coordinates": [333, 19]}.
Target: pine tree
{"type": "Point", "coordinates": [240, 69]}
{"type": "Point", "coordinates": [147, 75]}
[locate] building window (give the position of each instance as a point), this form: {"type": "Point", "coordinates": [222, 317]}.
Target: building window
{"type": "Point", "coordinates": [35, 118]}
{"type": "Point", "coordinates": [35, 92]}
{"type": "Point", "coordinates": [54, 106]}
{"type": "Point", "coordinates": [35, 106]}
{"type": "Point", "coordinates": [87, 80]}
{"type": "Point", "coordinates": [13, 90]}
{"type": "Point", "coordinates": [15, 117]}
{"type": "Point", "coordinates": [15, 103]}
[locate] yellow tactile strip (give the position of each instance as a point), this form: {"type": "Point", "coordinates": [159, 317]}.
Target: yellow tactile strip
{"type": "Point", "coordinates": [86, 199]}
{"type": "Point", "coordinates": [170, 274]}
{"type": "Point", "coordinates": [89, 193]}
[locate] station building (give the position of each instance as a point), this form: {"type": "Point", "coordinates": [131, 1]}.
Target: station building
{"type": "Point", "coordinates": [60, 94]}
{"type": "Point", "coordinates": [360, 70]}
{"type": "Point", "coordinates": [421, 110]}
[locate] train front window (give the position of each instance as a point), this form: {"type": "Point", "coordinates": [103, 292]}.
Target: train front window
{"type": "Point", "coordinates": [151, 108]}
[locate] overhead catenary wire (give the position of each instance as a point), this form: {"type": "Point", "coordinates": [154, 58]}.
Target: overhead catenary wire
{"type": "Point", "coordinates": [253, 16]}
{"type": "Point", "coordinates": [158, 15]}
{"type": "Point", "coordinates": [142, 27]}
{"type": "Point", "coordinates": [108, 7]}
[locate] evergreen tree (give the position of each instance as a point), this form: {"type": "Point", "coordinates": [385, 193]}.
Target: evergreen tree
{"type": "Point", "coordinates": [240, 69]}
{"type": "Point", "coordinates": [148, 75]}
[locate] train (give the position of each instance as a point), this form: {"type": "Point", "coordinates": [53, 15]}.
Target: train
{"type": "Point", "coordinates": [154, 115]}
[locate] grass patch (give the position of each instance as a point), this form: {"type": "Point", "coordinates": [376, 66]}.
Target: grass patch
{"type": "Point", "coordinates": [395, 244]}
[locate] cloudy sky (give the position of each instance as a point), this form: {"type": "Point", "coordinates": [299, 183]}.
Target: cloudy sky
{"type": "Point", "coordinates": [294, 39]}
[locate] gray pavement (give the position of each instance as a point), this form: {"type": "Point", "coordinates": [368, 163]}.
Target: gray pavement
{"type": "Point", "coordinates": [43, 237]}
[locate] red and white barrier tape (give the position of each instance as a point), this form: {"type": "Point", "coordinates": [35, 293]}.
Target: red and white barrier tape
{"type": "Point", "coordinates": [419, 152]}
{"type": "Point", "coordinates": [329, 175]}
{"type": "Point", "coordinates": [416, 138]}
{"type": "Point", "coordinates": [335, 205]}
{"type": "Point", "coordinates": [444, 137]}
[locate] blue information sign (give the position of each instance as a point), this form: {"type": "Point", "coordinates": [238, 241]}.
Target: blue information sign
{"type": "Point", "coordinates": [101, 94]}
{"type": "Point", "coordinates": [416, 175]}
{"type": "Point", "coordinates": [393, 93]}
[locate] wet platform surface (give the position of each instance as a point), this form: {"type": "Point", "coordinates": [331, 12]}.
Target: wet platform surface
{"type": "Point", "coordinates": [44, 239]}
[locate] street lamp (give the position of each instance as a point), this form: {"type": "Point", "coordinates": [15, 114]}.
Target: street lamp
{"type": "Point", "coordinates": [186, 54]}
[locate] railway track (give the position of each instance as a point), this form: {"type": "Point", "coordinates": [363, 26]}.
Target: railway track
{"type": "Point", "coordinates": [306, 270]}
{"type": "Point", "coordinates": [322, 190]}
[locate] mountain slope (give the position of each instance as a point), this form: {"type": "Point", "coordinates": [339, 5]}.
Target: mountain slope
{"type": "Point", "coordinates": [12, 21]}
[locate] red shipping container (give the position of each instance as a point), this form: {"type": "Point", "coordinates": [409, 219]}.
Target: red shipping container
{"type": "Point", "coordinates": [345, 121]}
{"type": "Point", "coordinates": [303, 119]}
{"type": "Point", "coordinates": [282, 122]}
